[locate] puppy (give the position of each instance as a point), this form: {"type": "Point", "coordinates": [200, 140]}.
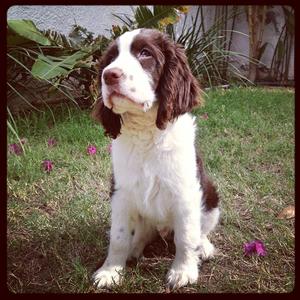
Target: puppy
{"type": "Point", "coordinates": [159, 182]}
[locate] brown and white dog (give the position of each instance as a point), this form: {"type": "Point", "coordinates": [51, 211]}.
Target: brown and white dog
{"type": "Point", "coordinates": [159, 182]}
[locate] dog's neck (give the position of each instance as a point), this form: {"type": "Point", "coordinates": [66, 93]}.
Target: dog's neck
{"type": "Point", "coordinates": [139, 128]}
{"type": "Point", "coordinates": [139, 121]}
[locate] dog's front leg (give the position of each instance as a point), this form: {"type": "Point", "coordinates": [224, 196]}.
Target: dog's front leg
{"type": "Point", "coordinates": [120, 237]}
{"type": "Point", "coordinates": [187, 235]}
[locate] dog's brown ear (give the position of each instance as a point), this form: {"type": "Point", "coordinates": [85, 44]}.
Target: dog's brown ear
{"type": "Point", "coordinates": [109, 120]}
{"type": "Point", "coordinates": [178, 90]}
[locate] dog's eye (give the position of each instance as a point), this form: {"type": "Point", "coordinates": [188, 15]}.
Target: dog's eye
{"type": "Point", "coordinates": [145, 53]}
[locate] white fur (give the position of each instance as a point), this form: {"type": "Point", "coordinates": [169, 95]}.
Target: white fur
{"type": "Point", "coordinates": [156, 186]}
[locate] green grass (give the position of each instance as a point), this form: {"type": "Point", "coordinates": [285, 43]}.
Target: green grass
{"type": "Point", "coordinates": [58, 222]}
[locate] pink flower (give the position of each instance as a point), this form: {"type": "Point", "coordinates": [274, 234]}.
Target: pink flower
{"type": "Point", "coordinates": [15, 148]}
{"type": "Point", "coordinates": [255, 246]}
{"type": "Point", "coordinates": [91, 150]}
{"type": "Point", "coordinates": [52, 142]}
{"type": "Point", "coordinates": [47, 165]}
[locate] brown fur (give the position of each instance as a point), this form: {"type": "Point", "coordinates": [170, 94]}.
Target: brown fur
{"type": "Point", "coordinates": [178, 90]}
{"type": "Point", "coordinates": [210, 194]}
{"type": "Point", "coordinates": [109, 120]}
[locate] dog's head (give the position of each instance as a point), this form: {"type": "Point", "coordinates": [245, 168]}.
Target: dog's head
{"type": "Point", "coordinates": [139, 68]}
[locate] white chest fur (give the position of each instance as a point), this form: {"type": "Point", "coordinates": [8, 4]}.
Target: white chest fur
{"type": "Point", "coordinates": [153, 166]}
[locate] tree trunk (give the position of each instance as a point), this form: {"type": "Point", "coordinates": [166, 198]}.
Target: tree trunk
{"type": "Point", "coordinates": [256, 23]}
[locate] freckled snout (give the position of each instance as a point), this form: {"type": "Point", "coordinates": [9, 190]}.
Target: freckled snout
{"type": "Point", "coordinates": [113, 76]}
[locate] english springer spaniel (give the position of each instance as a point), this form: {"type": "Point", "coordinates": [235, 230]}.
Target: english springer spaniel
{"type": "Point", "coordinates": [159, 182]}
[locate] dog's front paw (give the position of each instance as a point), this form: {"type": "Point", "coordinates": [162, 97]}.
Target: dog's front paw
{"type": "Point", "coordinates": [106, 277]}
{"type": "Point", "coordinates": [181, 276]}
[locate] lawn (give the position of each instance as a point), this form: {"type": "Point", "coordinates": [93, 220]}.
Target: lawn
{"type": "Point", "coordinates": [58, 222]}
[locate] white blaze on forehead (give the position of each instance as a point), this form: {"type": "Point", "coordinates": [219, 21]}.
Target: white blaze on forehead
{"type": "Point", "coordinates": [136, 83]}
{"type": "Point", "coordinates": [125, 40]}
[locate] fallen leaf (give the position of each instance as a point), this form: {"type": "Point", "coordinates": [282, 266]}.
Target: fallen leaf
{"type": "Point", "coordinates": [204, 116]}
{"type": "Point", "coordinates": [287, 213]}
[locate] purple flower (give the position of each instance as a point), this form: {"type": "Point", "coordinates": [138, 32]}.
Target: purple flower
{"type": "Point", "coordinates": [109, 148]}
{"type": "Point", "coordinates": [15, 148]}
{"type": "Point", "coordinates": [91, 150]}
{"type": "Point", "coordinates": [47, 165]}
{"type": "Point", "coordinates": [52, 142]}
{"type": "Point", "coordinates": [255, 246]}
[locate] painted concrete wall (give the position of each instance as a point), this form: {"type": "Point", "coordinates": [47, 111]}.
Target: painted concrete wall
{"type": "Point", "coordinates": [99, 19]}
{"type": "Point", "coordinates": [96, 18]}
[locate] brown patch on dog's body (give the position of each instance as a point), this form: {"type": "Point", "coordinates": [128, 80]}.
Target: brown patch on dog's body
{"type": "Point", "coordinates": [210, 194]}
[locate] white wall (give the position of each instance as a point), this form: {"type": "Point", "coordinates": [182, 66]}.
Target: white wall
{"type": "Point", "coordinates": [96, 18]}
{"type": "Point", "coordinates": [240, 38]}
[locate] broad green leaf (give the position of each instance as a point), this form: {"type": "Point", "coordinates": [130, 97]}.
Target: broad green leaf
{"type": "Point", "coordinates": [14, 39]}
{"type": "Point", "coordinates": [27, 29]}
{"type": "Point", "coordinates": [48, 68]}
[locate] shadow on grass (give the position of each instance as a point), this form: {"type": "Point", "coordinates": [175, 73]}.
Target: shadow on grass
{"type": "Point", "coordinates": [63, 259]}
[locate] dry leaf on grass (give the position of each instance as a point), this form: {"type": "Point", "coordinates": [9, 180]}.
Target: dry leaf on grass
{"type": "Point", "coordinates": [204, 116]}
{"type": "Point", "coordinates": [287, 213]}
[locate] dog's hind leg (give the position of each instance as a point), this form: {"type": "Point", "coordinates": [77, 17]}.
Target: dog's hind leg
{"type": "Point", "coordinates": [209, 220]}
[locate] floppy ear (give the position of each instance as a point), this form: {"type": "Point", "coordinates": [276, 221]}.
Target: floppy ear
{"type": "Point", "coordinates": [109, 120]}
{"type": "Point", "coordinates": [178, 90]}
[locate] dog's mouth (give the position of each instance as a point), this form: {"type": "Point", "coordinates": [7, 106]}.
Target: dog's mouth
{"type": "Point", "coordinates": [115, 101]}
{"type": "Point", "coordinates": [117, 96]}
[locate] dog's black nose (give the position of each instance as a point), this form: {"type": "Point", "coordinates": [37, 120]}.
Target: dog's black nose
{"type": "Point", "coordinates": [112, 76]}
